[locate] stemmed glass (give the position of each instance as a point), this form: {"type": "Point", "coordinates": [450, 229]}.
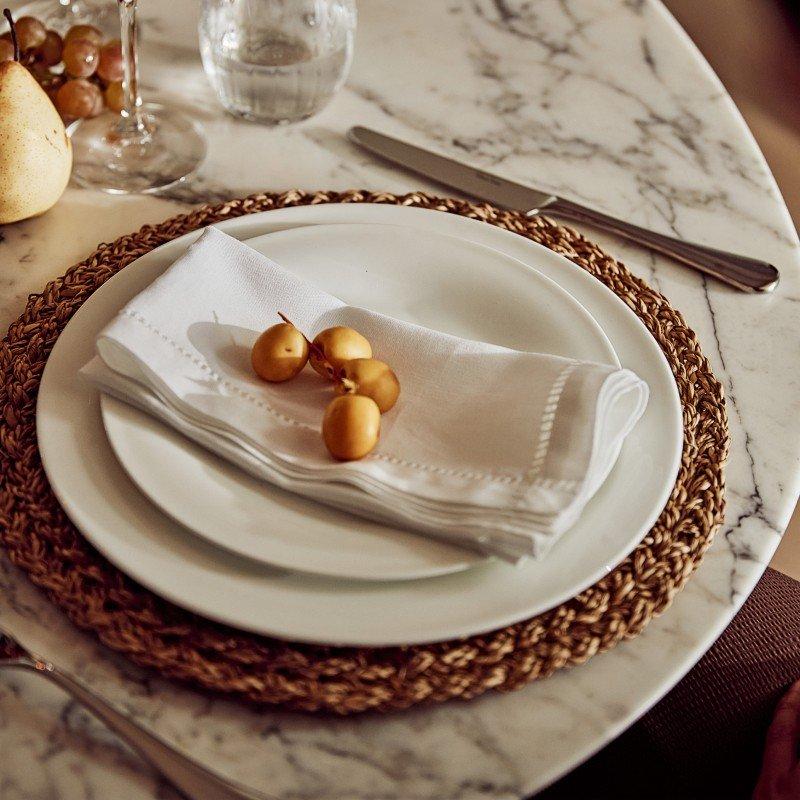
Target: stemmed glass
{"type": "Point", "coordinates": [145, 148]}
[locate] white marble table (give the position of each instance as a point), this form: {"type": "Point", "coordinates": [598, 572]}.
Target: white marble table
{"type": "Point", "coordinates": [605, 100]}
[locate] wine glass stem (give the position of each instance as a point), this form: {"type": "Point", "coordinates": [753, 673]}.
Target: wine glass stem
{"type": "Point", "coordinates": [132, 113]}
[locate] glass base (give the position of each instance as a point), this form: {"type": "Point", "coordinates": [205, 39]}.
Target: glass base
{"type": "Point", "coordinates": [272, 122]}
{"type": "Point", "coordinates": [107, 156]}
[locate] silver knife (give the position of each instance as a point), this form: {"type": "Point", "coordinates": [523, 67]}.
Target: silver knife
{"type": "Point", "coordinates": [747, 274]}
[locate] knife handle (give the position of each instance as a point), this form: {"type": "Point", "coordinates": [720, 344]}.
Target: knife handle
{"type": "Point", "coordinates": [747, 274]}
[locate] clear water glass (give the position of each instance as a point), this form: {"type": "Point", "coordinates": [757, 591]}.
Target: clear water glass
{"type": "Point", "coordinates": [277, 61]}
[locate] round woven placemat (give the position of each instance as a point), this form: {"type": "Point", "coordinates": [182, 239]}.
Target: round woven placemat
{"type": "Point", "coordinates": [41, 540]}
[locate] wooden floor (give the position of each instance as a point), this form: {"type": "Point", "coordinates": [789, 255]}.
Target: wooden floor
{"type": "Point", "coordinates": [762, 74]}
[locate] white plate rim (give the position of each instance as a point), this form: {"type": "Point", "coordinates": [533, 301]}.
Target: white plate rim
{"type": "Point", "coordinates": [426, 558]}
{"type": "Point", "coordinates": [383, 634]}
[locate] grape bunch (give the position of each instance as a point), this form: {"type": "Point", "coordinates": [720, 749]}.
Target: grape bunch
{"type": "Point", "coordinates": [80, 73]}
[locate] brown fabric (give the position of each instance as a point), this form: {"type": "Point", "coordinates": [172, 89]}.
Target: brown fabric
{"type": "Point", "coordinates": [705, 739]}
{"type": "Point", "coordinates": [712, 725]}
{"type": "Point", "coordinates": [41, 540]}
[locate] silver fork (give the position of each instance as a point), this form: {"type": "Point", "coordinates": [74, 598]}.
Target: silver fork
{"type": "Point", "coordinates": [192, 779]}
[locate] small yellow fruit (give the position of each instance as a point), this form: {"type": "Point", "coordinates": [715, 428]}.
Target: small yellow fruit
{"type": "Point", "coordinates": [279, 353]}
{"type": "Point", "coordinates": [370, 378]}
{"type": "Point", "coordinates": [333, 346]}
{"type": "Point", "coordinates": [351, 426]}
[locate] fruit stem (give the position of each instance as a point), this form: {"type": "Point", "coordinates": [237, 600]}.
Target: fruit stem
{"type": "Point", "coordinates": [348, 385]}
{"type": "Point", "coordinates": [14, 40]}
{"type": "Point", "coordinates": [315, 349]}
{"type": "Point", "coordinates": [317, 352]}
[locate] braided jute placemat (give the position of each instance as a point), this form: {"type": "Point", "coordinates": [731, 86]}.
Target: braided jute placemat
{"type": "Point", "coordinates": [96, 596]}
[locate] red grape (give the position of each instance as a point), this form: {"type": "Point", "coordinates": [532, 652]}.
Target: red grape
{"type": "Point", "coordinates": [87, 32]}
{"type": "Point", "coordinates": [115, 96]}
{"type": "Point", "coordinates": [111, 67]}
{"type": "Point", "coordinates": [49, 51]}
{"type": "Point", "coordinates": [6, 50]}
{"type": "Point", "coordinates": [99, 103]}
{"type": "Point", "coordinates": [39, 71]}
{"type": "Point", "coordinates": [80, 58]}
{"type": "Point", "coordinates": [78, 98]}
{"type": "Point", "coordinates": [30, 33]}
{"type": "Point", "coordinates": [52, 85]}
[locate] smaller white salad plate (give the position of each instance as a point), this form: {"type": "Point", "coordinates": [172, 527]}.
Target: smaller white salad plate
{"type": "Point", "coordinates": [419, 275]}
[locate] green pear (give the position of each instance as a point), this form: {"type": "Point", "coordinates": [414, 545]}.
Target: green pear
{"type": "Point", "coordinates": [35, 151]}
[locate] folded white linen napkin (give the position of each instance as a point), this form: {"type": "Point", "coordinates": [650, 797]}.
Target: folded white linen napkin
{"type": "Point", "coordinates": [487, 447]}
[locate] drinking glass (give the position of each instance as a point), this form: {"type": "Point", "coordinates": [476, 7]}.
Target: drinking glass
{"type": "Point", "coordinates": [277, 61]}
{"type": "Point", "coordinates": [145, 148]}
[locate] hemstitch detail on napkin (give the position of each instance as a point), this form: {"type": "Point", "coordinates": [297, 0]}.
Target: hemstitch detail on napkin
{"type": "Point", "coordinates": [548, 418]}
{"type": "Point", "coordinates": [203, 365]}
{"type": "Point", "coordinates": [544, 483]}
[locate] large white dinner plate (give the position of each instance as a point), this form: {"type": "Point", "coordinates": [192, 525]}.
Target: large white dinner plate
{"type": "Point", "coordinates": [464, 288]}
{"type": "Point", "coordinates": [164, 556]}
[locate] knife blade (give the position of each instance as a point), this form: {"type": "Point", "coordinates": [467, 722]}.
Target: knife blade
{"type": "Point", "coordinates": [743, 272]}
{"type": "Point", "coordinates": [450, 172]}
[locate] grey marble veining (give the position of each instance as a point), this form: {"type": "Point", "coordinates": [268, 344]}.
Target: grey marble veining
{"type": "Point", "coordinates": [602, 100]}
